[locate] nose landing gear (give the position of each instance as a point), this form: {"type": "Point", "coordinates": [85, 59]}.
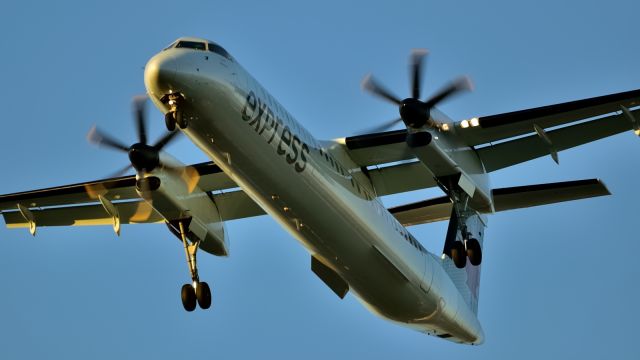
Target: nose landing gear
{"type": "Point", "coordinates": [175, 115]}
{"type": "Point", "coordinates": [197, 291]}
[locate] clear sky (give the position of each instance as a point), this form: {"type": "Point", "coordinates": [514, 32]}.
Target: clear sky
{"type": "Point", "coordinates": [557, 281]}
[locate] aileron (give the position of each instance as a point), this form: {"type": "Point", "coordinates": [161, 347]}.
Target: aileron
{"type": "Point", "coordinates": [505, 154]}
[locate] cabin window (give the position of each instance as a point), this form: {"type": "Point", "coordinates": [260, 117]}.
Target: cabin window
{"type": "Point", "coordinates": [191, 45]}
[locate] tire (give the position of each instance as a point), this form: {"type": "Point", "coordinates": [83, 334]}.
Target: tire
{"type": "Point", "coordinates": [458, 254]}
{"type": "Point", "coordinates": [169, 121]}
{"type": "Point", "coordinates": [203, 294]}
{"type": "Point", "coordinates": [180, 119]}
{"type": "Point", "coordinates": [474, 252]}
{"type": "Point", "coordinates": [188, 295]}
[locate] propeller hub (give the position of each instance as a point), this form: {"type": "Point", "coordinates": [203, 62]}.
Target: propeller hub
{"type": "Point", "coordinates": [414, 113]}
{"type": "Point", "coordinates": [144, 157]}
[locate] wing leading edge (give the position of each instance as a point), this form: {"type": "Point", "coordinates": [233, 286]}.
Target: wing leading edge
{"type": "Point", "coordinates": [80, 204]}
{"type": "Point", "coordinates": [510, 138]}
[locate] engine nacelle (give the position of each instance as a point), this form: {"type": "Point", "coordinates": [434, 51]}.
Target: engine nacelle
{"type": "Point", "coordinates": [174, 194]}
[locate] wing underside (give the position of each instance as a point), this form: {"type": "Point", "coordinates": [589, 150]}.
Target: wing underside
{"type": "Point", "coordinates": [80, 204]}
{"type": "Point", "coordinates": [500, 140]}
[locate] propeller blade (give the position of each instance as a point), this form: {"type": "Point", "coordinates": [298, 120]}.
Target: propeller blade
{"type": "Point", "coordinates": [415, 68]}
{"type": "Point", "coordinates": [461, 84]}
{"type": "Point", "coordinates": [369, 84]}
{"type": "Point", "coordinates": [382, 127]}
{"type": "Point", "coordinates": [100, 138]}
{"type": "Point", "coordinates": [165, 140]}
{"type": "Point", "coordinates": [138, 109]}
{"type": "Point", "coordinates": [122, 171]}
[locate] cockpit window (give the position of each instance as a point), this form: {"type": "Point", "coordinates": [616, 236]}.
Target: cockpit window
{"type": "Point", "coordinates": [173, 44]}
{"type": "Point", "coordinates": [215, 48]}
{"type": "Point", "coordinates": [191, 45]}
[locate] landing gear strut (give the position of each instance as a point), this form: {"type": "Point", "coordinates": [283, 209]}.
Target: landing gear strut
{"type": "Point", "coordinates": [464, 225]}
{"type": "Point", "coordinates": [197, 291]}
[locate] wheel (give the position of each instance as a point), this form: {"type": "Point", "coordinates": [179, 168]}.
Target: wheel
{"type": "Point", "coordinates": [203, 293]}
{"type": "Point", "coordinates": [170, 121]}
{"type": "Point", "coordinates": [458, 254]}
{"type": "Point", "coordinates": [474, 252]}
{"type": "Point", "coordinates": [188, 297]}
{"type": "Point", "coordinates": [180, 119]}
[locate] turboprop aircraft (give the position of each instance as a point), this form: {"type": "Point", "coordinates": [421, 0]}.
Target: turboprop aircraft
{"type": "Point", "coordinates": [326, 194]}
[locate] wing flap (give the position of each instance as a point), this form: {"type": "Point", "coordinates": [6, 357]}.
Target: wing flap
{"type": "Point", "coordinates": [131, 212]}
{"type": "Point", "coordinates": [378, 148]}
{"type": "Point", "coordinates": [400, 178]}
{"type": "Point", "coordinates": [236, 205]}
{"type": "Point", "coordinates": [423, 212]}
{"type": "Point", "coordinates": [212, 178]}
{"type": "Point", "coordinates": [495, 157]}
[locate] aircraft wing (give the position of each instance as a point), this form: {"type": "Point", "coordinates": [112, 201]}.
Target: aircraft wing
{"type": "Point", "coordinates": [79, 204]}
{"type": "Point", "coordinates": [392, 166]}
{"type": "Point", "coordinates": [504, 139]}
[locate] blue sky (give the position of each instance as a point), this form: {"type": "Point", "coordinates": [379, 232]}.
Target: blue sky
{"type": "Point", "coordinates": [556, 281]}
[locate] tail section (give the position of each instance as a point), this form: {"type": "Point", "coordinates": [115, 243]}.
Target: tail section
{"type": "Point", "coordinates": [465, 230]}
{"type": "Point", "coordinates": [465, 235]}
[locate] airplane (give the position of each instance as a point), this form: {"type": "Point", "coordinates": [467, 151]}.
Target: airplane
{"type": "Point", "coordinates": [326, 193]}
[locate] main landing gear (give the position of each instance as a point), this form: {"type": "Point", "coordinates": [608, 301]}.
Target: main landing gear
{"type": "Point", "coordinates": [461, 250]}
{"type": "Point", "coordinates": [175, 116]}
{"type": "Point", "coordinates": [197, 291]}
{"type": "Point", "coordinates": [465, 228]}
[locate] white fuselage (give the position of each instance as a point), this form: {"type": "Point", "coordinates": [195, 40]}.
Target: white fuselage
{"type": "Point", "coordinates": [313, 190]}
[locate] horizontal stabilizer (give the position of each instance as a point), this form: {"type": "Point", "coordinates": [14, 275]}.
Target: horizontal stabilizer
{"type": "Point", "coordinates": [542, 194]}
{"type": "Point", "coordinates": [511, 198]}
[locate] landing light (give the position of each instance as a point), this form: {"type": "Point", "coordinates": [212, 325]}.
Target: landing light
{"type": "Point", "coordinates": [473, 122]}
{"type": "Point", "coordinates": [445, 127]}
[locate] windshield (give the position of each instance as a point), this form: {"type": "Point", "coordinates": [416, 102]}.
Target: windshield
{"type": "Point", "coordinates": [191, 45]}
{"type": "Point", "coordinates": [215, 48]}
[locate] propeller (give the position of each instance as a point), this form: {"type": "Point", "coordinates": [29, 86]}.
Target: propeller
{"type": "Point", "coordinates": [415, 113]}
{"type": "Point", "coordinates": [143, 157]}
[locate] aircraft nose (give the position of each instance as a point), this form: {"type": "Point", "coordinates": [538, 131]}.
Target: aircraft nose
{"type": "Point", "coordinates": [160, 73]}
